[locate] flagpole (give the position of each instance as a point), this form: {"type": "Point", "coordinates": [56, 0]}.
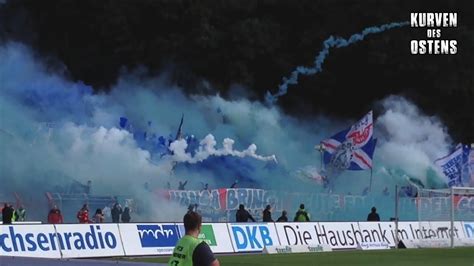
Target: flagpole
{"type": "Point", "coordinates": [320, 148]}
{"type": "Point", "coordinates": [370, 185]}
{"type": "Point", "coordinates": [321, 151]}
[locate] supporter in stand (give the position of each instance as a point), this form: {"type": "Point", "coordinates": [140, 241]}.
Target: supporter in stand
{"type": "Point", "coordinates": [373, 215]}
{"type": "Point", "coordinates": [20, 214]}
{"type": "Point", "coordinates": [106, 211]}
{"type": "Point", "coordinates": [301, 215]}
{"type": "Point", "coordinates": [242, 215]}
{"type": "Point", "coordinates": [366, 191]}
{"type": "Point", "coordinates": [267, 214]}
{"type": "Point", "coordinates": [146, 187]}
{"type": "Point", "coordinates": [55, 216]}
{"type": "Point", "coordinates": [7, 214]}
{"type": "Point", "coordinates": [283, 218]}
{"type": "Point", "coordinates": [190, 250]}
{"type": "Point", "coordinates": [192, 208]}
{"type": "Point", "coordinates": [14, 213]}
{"type": "Point", "coordinates": [205, 187]}
{"type": "Point", "coordinates": [83, 215]}
{"type": "Point", "coordinates": [88, 187]}
{"type": "Point", "coordinates": [126, 215]}
{"type": "Point", "coordinates": [99, 217]}
{"type": "Point", "coordinates": [116, 212]}
{"type": "Point", "coordinates": [182, 185]}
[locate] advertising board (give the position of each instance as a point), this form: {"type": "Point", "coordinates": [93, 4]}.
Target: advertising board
{"type": "Point", "coordinates": [149, 239]}
{"type": "Point", "coordinates": [252, 236]}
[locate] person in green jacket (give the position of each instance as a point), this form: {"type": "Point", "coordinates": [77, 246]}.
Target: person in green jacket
{"type": "Point", "coordinates": [301, 215]}
{"type": "Point", "coordinates": [190, 251]}
{"type": "Point", "coordinates": [20, 214]}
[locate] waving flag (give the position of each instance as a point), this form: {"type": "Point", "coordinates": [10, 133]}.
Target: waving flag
{"type": "Point", "coordinates": [455, 165]}
{"type": "Point", "coordinates": [351, 149]}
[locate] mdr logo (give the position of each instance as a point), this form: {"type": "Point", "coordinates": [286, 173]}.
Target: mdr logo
{"type": "Point", "coordinates": [158, 235]}
{"type": "Point", "coordinates": [149, 239]}
{"type": "Point", "coordinates": [253, 237]}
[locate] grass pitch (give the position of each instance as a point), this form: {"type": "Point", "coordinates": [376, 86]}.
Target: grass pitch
{"type": "Point", "coordinates": [403, 257]}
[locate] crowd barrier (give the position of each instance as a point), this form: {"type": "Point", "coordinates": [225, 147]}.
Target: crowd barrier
{"type": "Point", "coordinates": [139, 239]}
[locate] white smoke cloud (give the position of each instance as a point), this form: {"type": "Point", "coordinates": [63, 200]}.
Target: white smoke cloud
{"type": "Point", "coordinates": [207, 148]}
{"type": "Point", "coordinates": [408, 139]}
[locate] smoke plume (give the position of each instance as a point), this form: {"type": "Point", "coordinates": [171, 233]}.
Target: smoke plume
{"type": "Point", "coordinates": [331, 42]}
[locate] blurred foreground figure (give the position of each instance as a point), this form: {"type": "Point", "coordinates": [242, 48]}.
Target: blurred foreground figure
{"type": "Point", "coordinates": [191, 251]}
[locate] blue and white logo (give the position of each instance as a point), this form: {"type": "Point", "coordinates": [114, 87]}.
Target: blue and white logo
{"type": "Point", "coordinates": [251, 237]}
{"type": "Point", "coordinates": [158, 235]}
{"type": "Point", "coordinates": [469, 229]}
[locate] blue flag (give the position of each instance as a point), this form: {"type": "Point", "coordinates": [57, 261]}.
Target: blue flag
{"type": "Point", "coordinates": [455, 166]}
{"type": "Point", "coordinates": [352, 148]}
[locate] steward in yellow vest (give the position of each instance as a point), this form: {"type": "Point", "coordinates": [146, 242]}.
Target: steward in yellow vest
{"type": "Point", "coordinates": [190, 251]}
{"type": "Point", "coordinates": [301, 215]}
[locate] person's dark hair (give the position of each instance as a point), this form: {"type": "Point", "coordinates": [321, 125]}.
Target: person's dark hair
{"type": "Point", "coordinates": [373, 209]}
{"type": "Point", "coordinates": [268, 207]}
{"type": "Point", "coordinates": [301, 206]}
{"type": "Point", "coordinates": [98, 211]}
{"type": "Point", "coordinates": [241, 207]}
{"type": "Point", "coordinates": [192, 221]}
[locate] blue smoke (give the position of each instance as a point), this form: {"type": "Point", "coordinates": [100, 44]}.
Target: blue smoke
{"type": "Point", "coordinates": [54, 131]}
{"type": "Point", "coordinates": [330, 42]}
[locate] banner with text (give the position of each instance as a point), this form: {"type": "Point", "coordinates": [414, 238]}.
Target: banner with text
{"type": "Point", "coordinates": [29, 241]}
{"type": "Point", "coordinates": [89, 240]}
